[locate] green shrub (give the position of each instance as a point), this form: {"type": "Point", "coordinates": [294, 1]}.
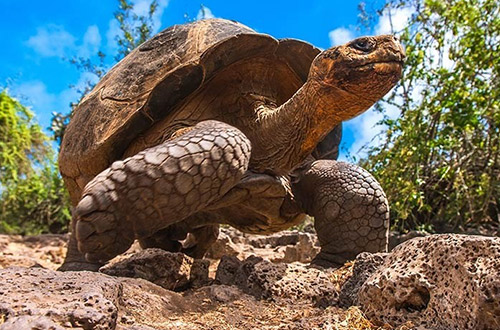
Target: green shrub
{"type": "Point", "coordinates": [36, 204]}
{"type": "Point", "coordinates": [32, 194]}
{"type": "Point", "coordinates": [440, 165]}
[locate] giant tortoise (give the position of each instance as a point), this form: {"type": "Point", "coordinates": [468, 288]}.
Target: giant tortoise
{"type": "Point", "coordinates": [211, 123]}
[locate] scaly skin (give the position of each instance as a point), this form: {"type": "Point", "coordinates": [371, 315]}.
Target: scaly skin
{"type": "Point", "coordinates": [349, 207]}
{"type": "Point", "coordinates": [159, 186]}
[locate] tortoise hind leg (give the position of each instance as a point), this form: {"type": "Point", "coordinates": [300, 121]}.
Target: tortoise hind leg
{"type": "Point", "coordinates": [196, 241]}
{"type": "Point", "coordinates": [200, 240]}
{"type": "Point", "coordinates": [157, 187]}
{"type": "Point", "coordinates": [349, 207]}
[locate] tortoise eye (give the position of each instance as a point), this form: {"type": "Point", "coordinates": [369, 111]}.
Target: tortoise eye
{"type": "Point", "coordinates": [363, 44]}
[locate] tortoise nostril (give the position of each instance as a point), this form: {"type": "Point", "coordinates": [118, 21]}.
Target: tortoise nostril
{"type": "Point", "coordinates": [402, 51]}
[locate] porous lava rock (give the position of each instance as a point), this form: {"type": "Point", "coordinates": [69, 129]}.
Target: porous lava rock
{"type": "Point", "coordinates": [286, 246]}
{"type": "Point", "coordinates": [37, 298]}
{"type": "Point", "coordinates": [364, 266]}
{"type": "Point", "coordinates": [266, 280]}
{"type": "Point", "coordinates": [447, 281]}
{"type": "Point", "coordinates": [172, 271]}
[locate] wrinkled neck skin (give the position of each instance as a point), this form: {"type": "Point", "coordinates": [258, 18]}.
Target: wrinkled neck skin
{"type": "Point", "coordinates": [289, 133]}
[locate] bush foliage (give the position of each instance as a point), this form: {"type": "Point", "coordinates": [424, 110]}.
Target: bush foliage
{"type": "Point", "coordinates": [440, 165]}
{"type": "Point", "coordinates": [32, 195]}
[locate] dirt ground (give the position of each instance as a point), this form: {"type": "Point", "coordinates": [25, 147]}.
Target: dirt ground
{"type": "Point", "coordinates": [212, 306]}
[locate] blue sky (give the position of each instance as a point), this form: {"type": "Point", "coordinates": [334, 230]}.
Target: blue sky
{"type": "Point", "coordinates": [39, 36]}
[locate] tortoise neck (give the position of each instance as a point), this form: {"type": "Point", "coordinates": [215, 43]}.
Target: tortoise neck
{"type": "Point", "coordinates": [316, 111]}
{"type": "Point", "coordinates": [297, 126]}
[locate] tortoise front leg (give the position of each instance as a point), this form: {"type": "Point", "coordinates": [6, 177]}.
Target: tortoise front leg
{"type": "Point", "coordinates": [350, 210]}
{"type": "Point", "coordinates": [157, 187]}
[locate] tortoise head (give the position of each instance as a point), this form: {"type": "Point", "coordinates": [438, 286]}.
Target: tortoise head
{"type": "Point", "coordinates": [362, 70]}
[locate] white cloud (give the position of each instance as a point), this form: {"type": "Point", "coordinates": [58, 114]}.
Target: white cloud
{"type": "Point", "coordinates": [446, 62]}
{"type": "Point", "coordinates": [340, 36]}
{"type": "Point", "coordinates": [52, 40]}
{"type": "Point", "coordinates": [204, 13]}
{"type": "Point", "coordinates": [141, 7]}
{"type": "Point", "coordinates": [393, 20]}
{"type": "Point", "coordinates": [91, 42]}
{"type": "Point", "coordinates": [111, 33]}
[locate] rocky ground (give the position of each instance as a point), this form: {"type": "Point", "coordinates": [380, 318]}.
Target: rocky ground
{"type": "Point", "coordinates": [252, 282]}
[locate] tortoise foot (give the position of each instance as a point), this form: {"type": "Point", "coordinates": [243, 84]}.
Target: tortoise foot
{"type": "Point", "coordinates": [325, 260]}
{"type": "Point", "coordinates": [101, 237]}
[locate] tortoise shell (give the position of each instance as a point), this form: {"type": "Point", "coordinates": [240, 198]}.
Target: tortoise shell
{"type": "Point", "coordinates": [168, 74]}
